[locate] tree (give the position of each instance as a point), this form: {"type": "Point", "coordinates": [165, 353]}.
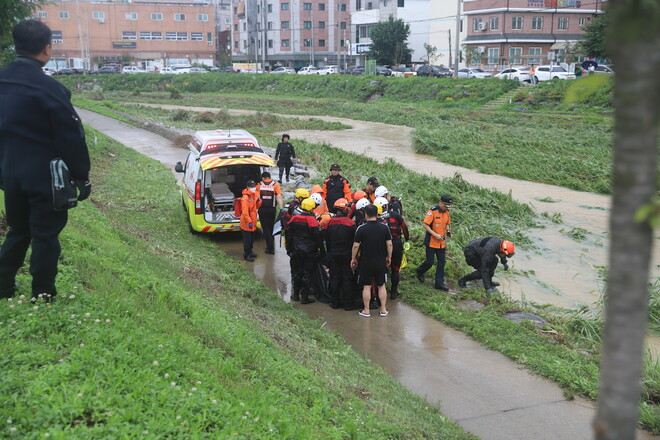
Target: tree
{"type": "Point", "coordinates": [389, 42]}
{"type": "Point", "coordinates": [634, 47]}
{"type": "Point", "coordinates": [594, 43]}
{"type": "Point", "coordinates": [431, 53]}
{"type": "Point", "coordinates": [11, 12]}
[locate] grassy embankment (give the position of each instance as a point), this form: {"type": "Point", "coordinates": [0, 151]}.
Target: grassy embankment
{"type": "Point", "coordinates": [574, 150]}
{"type": "Point", "coordinates": [157, 333]}
{"type": "Point", "coordinates": [566, 351]}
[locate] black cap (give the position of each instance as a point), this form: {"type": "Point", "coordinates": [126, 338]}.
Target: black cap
{"type": "Point", "coordinates": [335, 166]}
{"type": "Point", "coordinates": [250, 183]}
{"type": "Point", "coordinates": [285, 135]}
{"type": "Point", "coordinates": [446, 199]}
{"type": "Point", "coordinates": [265, 175]}
{"type": "Point", "coordinates": [373, 181]}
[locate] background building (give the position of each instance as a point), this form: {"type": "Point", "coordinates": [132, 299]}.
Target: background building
{"type": "Point", "coordinates": [523, 32]}
{"type": "Point", "coordinates": [89, 34]}
{"type": "Point", "coordinates": [442, 31]}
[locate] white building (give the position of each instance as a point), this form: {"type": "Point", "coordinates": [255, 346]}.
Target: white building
{"type": "Point", "coordinates": [442, 31]}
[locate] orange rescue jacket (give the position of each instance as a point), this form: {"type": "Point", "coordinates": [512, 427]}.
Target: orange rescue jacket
{"type": "Point", "coordinates": [250, 203]}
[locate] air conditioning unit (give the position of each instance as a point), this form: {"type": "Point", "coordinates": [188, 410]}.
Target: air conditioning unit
{"type": "Point", "coordinates": [482, 26]}
{"type": "Point", "coordinates": [101, 20]}
{"type": "Point", "coordinates": [481, 49]}
{"type": "Point", "coordinates": [210, 43]}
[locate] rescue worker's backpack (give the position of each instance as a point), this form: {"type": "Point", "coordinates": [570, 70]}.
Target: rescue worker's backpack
{"type": "Point", "coordinates": [396, 205]}
{"type": "Point", "coordinates": [238, 207]}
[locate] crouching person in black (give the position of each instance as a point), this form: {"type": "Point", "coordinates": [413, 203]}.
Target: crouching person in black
{"type": "Point", "coordinates": [339, 233]}
{"type": "Point", "coordinates": [303, 243]}
{"type": "Point", "coordinates": [483, 255]}
{"type": "Point", "coordinates": [37, 124]}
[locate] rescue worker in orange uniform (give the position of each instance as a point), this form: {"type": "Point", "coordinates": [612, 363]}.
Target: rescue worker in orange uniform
{"type": "Point", "coordinates": [436, 223]}
{"type": "Point", "coordinates": [271, 199]}
{"type": "Point", "coordinates": [482, 254]}
{"type": "Point", "coordinates": [335, 186]}
{"type": "Point", "coordinates": [250, 203]}
{"type": "Point", "coordinates": [370, 190]}
{"type": "Point", "coordinates": [317, 196]}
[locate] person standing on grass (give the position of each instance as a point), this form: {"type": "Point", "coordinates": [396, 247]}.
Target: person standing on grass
{"type": "Point", "coordinates": [284, 155]}
{"type": "Point", "coordinates": [303, 244]}
{"type": "Point", "coordinates": [374, 242]}
{"type": "Point", "coordinates": [532, 74]}
{"type": "Point", "coordinates": [483, 255]}
{"type": "Point", "coordinates": [436, 223]}
{"type": "Point", "coordinates": [399, 231]}
{"type": "Point", "coordinates": [37, 124]}
{"type": "Point", "coordinates": [339, 232]}
{"type": "Point", "coordinates": [271, 199]}
{"type": "Point", "coordinates": [250, 204]}
{"type": "Point", "coordinates": [336, 186]}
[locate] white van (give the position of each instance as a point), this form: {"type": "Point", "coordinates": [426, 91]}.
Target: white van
{"type": "Point", "coordinates": [219, 164]}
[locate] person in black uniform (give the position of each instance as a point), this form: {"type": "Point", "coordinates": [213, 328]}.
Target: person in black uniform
{"type": "Point", "coordinates": [374, 242]}
{"type": "Point", "coordinates": [399, 230]}
{"type": "Point", "coordinates": [483, 255]}
{"type": "Point", "coordinates": [303, 243]}
{"type": "Point", "coordinates": [336, 186]}
{"type": "Point", "coordinates": [271, 198]}
{"type": "Point", "coordinates": [339, 232]}
{"type": "Point", "coordinates": [284, 155]}
{"type": "Point", "coordinates": [37, 124]}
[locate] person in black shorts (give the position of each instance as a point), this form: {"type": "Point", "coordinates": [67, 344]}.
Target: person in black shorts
{"type": "Point", "coordinates": [374, 241]}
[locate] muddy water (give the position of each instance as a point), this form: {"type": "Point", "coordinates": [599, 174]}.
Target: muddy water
{"type": "Point", "coordinates": [485, 392]}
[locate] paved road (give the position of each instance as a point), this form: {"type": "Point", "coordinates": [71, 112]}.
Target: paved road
{"type": "Point", "coordinates": [485, 392]}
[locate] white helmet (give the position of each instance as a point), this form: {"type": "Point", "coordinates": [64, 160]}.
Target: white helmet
{"type": "Point", "coordinates": [382, 201]}
{"type": "Point", "coordinates": [362, 203]}
{"type": "Point", "coordinates": [318, 199]}
{"type": "Point", "coordinates": [380, 191]}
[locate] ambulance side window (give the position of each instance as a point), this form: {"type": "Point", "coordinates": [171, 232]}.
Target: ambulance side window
{"type": "Point", "coordinates": [187, 164]}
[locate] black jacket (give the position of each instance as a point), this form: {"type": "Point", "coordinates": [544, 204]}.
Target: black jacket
{"type": "Point", "coordinates": [482, 254]}
{"type": "Point", "coordinates": [339, 234]}
{"type": "Point", "coordinates": [303, 234]}
{"type": "Point", "coordinates": [37, 124]}
{"type": "Point", "coordinates": [284, 153]}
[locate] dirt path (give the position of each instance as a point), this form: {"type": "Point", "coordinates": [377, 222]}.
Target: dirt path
{"type": "Point", "coordinates": [485, 392]}
{"type": "Point", "coordinates": [564, 271]}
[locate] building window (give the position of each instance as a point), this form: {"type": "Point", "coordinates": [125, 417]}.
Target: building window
{"type": "Point", "coordinates": [358, 5]}
{"type": "Point", "coordinates": [196, 36]}
{"type": "Point", "coordinates": [515, 55]}
{"type": "Point", "coordinates": [269, 25]}
{"type": "Point", "coordinates": [562, 24]}
{"type": "Point", "coordinates": [202, 17]}
{"type": "Point", "coordinates": [476, 24]}
{"type": "Point", "coordinates": [235, 10]}
{"type": "Point", "coordinates": [307, 6]}
{"type": "Point", "coordinates": [342, 43]}
{"type": "Point", "coordinates": [321, 43]}
{"type": "Point", "coordinates": [270, 44]}
{"type": "Point", "coordinates": [269, 8]}
{"type": "Point", "coordinates": [156, 16]}
{"type": "Point", "coordinates": [493, 55]}
{"type": "Point", "coordinates": [370, 5]}
{"type": "Point", "coordinates": [129, 35]}
{"type": "Point", "coordinates": [286, 43]}
{"type": "Point", "coordinates": [342, 8]}
{"type": "Point", "coordinates": [227, 20]}
{"type": "Point", "coordinates": [209, 36]}
{"type": "Point", "coordinates": [151, 35]}
{"type": "Point", "coordinates": [516, 23]}
{"type": "Point", "coordinates": [307, 42]}
{"type": "Point", "coordinates": [235, 44]}
{"type": "Point", "coordinates": [321, 6]}
{"type": "Point", "coordinates": [224, 7]}
{"type": "Point", "coordinates": [244, 26]}
{"type": "Point", "coordinates": [245, 44]}
{"type": "Point", "coordinates": [401, 3]}
{"type": "Point", "coordinates": [534, 51]}
{"type": "Point", "coordinates": [56, 37]}
{"type": "Point", "coordinates": [364, 31]}
{"type": "Point", "coordinates": [236, 28]}
{"type": "Point", "coordinates": [537, 23]}
{"type": "Point", "coordinates": [182, 36]}
{"type": "Point", "coordinates": [131, 16]}
{"type": "Point", "coordinates": [307, 24]}
{"type": "Point", "coordinates": [124, 2]}
{"type": "Point", "coordinates": [494, 23]}
{"type": "Point", "coordinates": [64, 15]}
{"type": "Point", "coordinates": [342, 25]}
{"type": "Point", "coordinates": [170, 36]}
{"type": "Point", "coordinates": [42, 14]}
{"type": "Point", "coordinates": [285, 25]}
{"type": "Point", "coordinates": [179, 17]}
{"type": "Point", "coordinates": [321, 24]}
{"type": "Point", "coordinates": [582, 21]}
{"type": "Point", "coordinates": [98, 15]}
{"type": "Point", "coordinates": [285, 7]}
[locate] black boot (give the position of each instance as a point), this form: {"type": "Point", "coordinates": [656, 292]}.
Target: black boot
{"type": "Point", "coordinates": [462, 282]}
{"type": "Point", "coordinates": [394, 293]}
{"type": "Point", "coordinates": [494, 283]}
{"type": "Point", "coordinates": [306, 300]}
{"type": "Point", "coordinates": [295, 296]}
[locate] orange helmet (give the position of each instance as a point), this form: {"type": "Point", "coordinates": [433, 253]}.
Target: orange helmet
{"type": "Point", "coordinates": [359, 194]}
{"type": "Point", "coordinates": [341, 203]}
{"type": "Point", "coordinates": [507, 248]}
{"type": "Point", "coordinates": [316, 189]}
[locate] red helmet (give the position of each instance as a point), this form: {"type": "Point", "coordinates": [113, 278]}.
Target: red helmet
{"type": "Point", "coordinates": [507, 248]}
{"type": "Point", "coordinates": [341, 203]}
{"type": "Point", "coordinates": [359, 194]}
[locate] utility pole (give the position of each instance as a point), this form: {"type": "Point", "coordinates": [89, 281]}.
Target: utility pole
{"type": "Point", "coordinates": [313, 64]}
{"type": "Point", "coordinates": [449, 33]}
{"type": "Point", "coordinates": [264, 42]}
{"type": "Point", "coordinates": [458, 34]}
{"type": "Point", "coordinates": [80, 36]}
{"type": "Point", "coordinates": [337, 15]}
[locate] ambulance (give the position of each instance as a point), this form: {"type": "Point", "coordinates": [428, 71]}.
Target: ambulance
{"type": "Point", "coordinates": [219, 164]}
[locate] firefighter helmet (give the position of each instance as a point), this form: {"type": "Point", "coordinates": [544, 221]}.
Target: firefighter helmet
{"type": "Point", "coordinates": [308, 204]}
{"type": "Point", "coordinates": [318, 199]}
{"type": "Point", "coordinates": [507, 248]}
{"type": "Point", "coordinates": [341, 204]}
{"type": "Point", "coordinates": [302, 193]}
{"type": "Point", "coordinates": [381, 191]}
{"type": "Point", "coordinates": [359, 194]}
{"type": "Point", "coordinates": [362, 203]}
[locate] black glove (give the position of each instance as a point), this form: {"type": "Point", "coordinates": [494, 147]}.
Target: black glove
{"type": "Point", "coordinates": [448, 234]}
{"type": "Point", "coordinates": [506, 266]}
{"type": "Point", "coordinates": [84, 189]}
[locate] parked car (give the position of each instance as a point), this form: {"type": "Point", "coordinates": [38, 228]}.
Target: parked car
{"type": "Point", "coordinates": [288, 70]}
{"type": "Point", "coordinates": [434, 71]}
{"type": "Point", "coordinates": [383, 70]}
{"type": "Point", "coordinates": [308, 70]}
{"type": "Point", "coordinates": [106, 70]}
{"type": "Point", "coordinates": [197, 70]}
{"type": "Point", "coordinates": [167, 71]}
{"type": "Point", "coordinates": [48, 70]}
{"type": "Point", "coordinates": [132, 70]}
{"type": "Point", "coordinates": [328, 70]}
{"type": "Point", "coordinates": [547, 73]}
{"type": "Point", "coordinates": [219, 164]}
{"type": "Point", "coordinates": [403, 72]}
{"type": "Point", "coordinates": [65, 71]}
{"type": "Point", "coordinates": [229, 69]}
{"type": "Point", "coordinates": [471, 72]}
{"type": "Point", "coordinates": [604, 69]}
{"type": "Point", "coordinates": [520, 74]}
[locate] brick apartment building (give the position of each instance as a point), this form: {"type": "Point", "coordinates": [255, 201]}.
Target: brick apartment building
{"type": "Point", "coordinates": [89, 34]}
{"type": "Point", "coordinates": [524, 32]}
{"type": "Point", "coordinates": [292, 33]}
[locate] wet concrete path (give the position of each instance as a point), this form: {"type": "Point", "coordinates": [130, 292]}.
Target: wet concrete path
{"type": "Point", "coordinates": [485, 392]}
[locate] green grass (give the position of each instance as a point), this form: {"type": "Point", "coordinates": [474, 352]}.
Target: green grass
{"type": "Point", "coordinates": [158, 334]}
